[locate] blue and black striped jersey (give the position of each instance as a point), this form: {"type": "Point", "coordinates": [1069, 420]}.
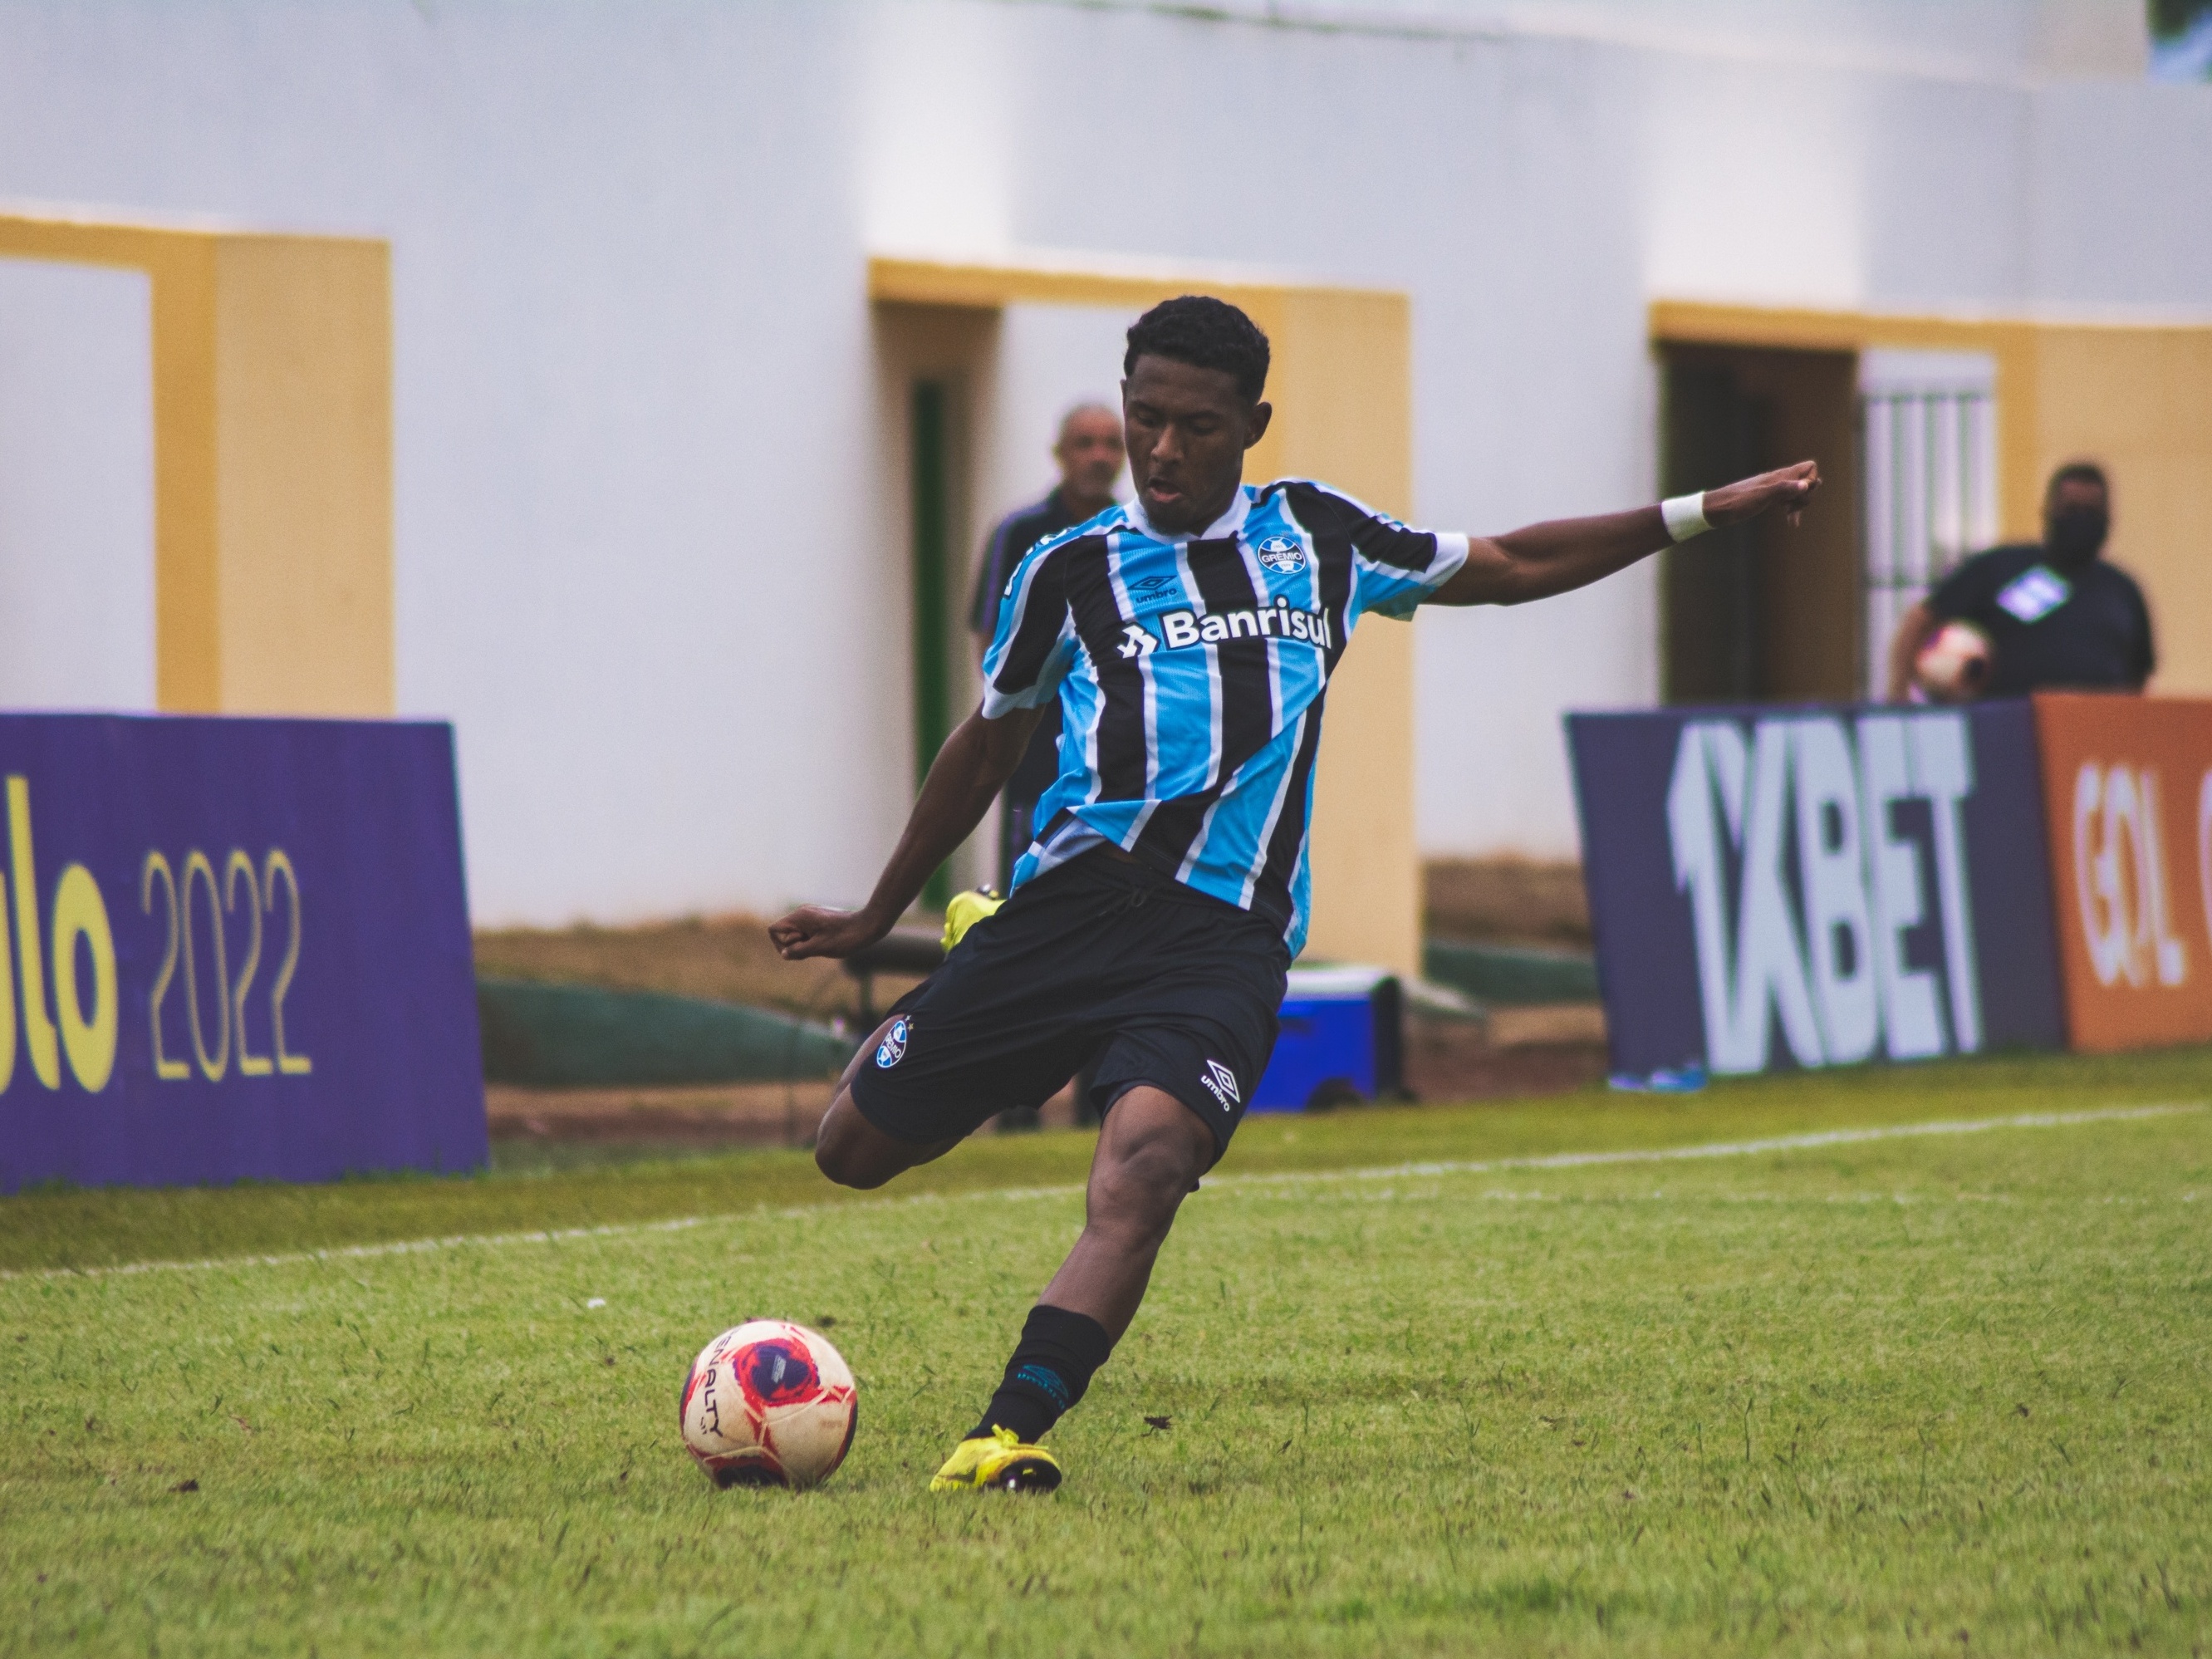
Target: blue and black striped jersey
{"type": "Point", "coordinates": [1191, 675]}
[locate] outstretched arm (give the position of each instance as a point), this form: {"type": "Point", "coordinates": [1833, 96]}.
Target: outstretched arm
{"type": "Point", "coordinates": [967, 774]}
{"type": "Point", "coordinates": [1563, 554]}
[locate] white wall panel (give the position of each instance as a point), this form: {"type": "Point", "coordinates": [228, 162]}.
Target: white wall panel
{"type": "Point", "coordinates": [76, 488]}
{"type": "Point", "coordinates": [632, 395]}
{"type": "Point", "coordinates": [1050, 358]}
{"type": "Point", "coordinates": [2120, 174]}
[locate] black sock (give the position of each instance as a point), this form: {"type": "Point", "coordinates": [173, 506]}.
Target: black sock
{"type": "Point", "coordinates": [1048, 1373]}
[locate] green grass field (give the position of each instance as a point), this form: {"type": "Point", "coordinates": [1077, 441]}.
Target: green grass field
{"type": "Point", "coordinates": [1914, 1393]}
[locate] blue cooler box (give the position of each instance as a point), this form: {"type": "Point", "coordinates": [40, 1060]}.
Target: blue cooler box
{"type": "Point", "coordinates": [1342, 1039]}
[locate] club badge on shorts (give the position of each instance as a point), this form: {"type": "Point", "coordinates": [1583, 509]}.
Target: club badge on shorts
{"type": "Point", "coordinates": [892, 1049]}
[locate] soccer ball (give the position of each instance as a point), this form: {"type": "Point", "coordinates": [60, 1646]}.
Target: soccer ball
{"type": "Point", "coordinates": [769, 1403]}
{"type": "Point", "coordinates": [1954, 665]}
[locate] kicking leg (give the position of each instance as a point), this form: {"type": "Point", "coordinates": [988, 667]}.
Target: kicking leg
{"type": "Point", "coordinates": [851, 1150]}
{"type": "Point", "coordinates": [1151, 1154]}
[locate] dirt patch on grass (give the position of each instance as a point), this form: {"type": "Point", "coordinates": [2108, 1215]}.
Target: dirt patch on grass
{"type": "Point", "coordinates": [723, 958]}
{"type": "Point", "coordinates": [738, 1115]}
{"type": "Point", "coordinates": [1508, 900]}
{"type": "Point", "coordinates": [1548, 1025]}
{"type": "Point", "coordinates": [1458, 1060]}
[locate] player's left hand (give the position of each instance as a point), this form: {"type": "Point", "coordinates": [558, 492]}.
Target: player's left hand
{"type": "Point", "coordinates": [814, 930]}
{"type": "Point", "coordinates": [1788, 488]}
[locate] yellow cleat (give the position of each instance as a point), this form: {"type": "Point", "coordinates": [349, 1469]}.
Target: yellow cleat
{"type": "Point", "coordinates": [997, 1462]}
{"type": "Point", "coordinates": [965, 911]}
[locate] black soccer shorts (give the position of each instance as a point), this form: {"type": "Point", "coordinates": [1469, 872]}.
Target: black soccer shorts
{"type": "Point", "coordinates": [1099, 959]}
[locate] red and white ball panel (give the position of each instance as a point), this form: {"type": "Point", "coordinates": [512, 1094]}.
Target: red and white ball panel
{"type": "Point", "coordinates": [1954, 664]}
{"type": "Point", "coordinates": [769, 1403]}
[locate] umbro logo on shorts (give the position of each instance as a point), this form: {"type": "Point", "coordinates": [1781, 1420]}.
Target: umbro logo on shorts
{"type": "Point", "coordinates": [1221, 1082]}
{"type": "Point", "coordinates": [892, 1049]}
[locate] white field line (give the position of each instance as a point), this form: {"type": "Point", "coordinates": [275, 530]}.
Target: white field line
{"type": "Point", "coordinates": [1809, 1142]}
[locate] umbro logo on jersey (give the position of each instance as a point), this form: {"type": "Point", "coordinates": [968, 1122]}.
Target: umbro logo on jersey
{"type": "Point", "coordinates": [1281, 555]}
{"type": "Point", "coordinates": [1221, 1082]}
{"type": "Point", "coordinates": [1148, 585]}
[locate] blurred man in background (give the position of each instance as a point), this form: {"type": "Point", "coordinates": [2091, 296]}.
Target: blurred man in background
{"type": "Point", "coordinates": [1089, 451]}
{"type": "Point", "coordinates": [2050, 615]}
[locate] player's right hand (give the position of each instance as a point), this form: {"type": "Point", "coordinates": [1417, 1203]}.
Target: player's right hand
{"type": "Point", "coordinates": [1788, 488]}
{"type": "Point", "coordinates": [814, 930]}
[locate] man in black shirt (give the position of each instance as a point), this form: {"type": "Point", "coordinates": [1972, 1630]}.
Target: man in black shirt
{"type": "Point", "coordinates": [1089, 451]}
{"type": "Point", "coordinates": [2057, 617]}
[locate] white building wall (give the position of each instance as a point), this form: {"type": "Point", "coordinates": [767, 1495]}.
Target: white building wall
{"type": "Point", "coordinates": [1976, 38]}
{"type": "Point", "coordinates": [2120, 171]}
{"type": "Point", "coordinates": [644, 534]}
{"type": "Point", "coordinates": [632, 395]}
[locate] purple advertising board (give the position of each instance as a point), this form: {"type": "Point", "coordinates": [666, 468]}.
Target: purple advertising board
{"type": "Point", "coordinates": [1816, 885]}
{"type": "Point", "coordinates": [233, 948]}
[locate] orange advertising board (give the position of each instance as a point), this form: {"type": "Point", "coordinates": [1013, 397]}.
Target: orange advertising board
{"type": "Point", "coordinates": [2127, 784]}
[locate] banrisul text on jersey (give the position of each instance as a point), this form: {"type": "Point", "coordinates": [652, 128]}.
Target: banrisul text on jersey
{"type": "Point", "coordinates": [1191, 674]}
{"type": "Point", "coordinates": [1181, 627]}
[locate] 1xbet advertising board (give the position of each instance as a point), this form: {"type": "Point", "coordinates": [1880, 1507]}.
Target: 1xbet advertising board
{"type": "Point", "coordinates": [1816, 886]}
{"type": "Point", "coordinates": [231, 948]}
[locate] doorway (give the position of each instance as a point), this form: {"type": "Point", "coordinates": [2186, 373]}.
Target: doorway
{"type": "Point", "coordinates": [1761, 613]}
{"type": "Point", "coordinates": [938, 364]}
{"type": "Point", "coordinates": [1343, 379]}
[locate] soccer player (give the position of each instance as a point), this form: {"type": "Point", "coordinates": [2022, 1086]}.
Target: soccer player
{"type": "Point", "coordinates": [1188, 637]}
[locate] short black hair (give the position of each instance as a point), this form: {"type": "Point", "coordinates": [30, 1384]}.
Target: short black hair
{"type": "Point", "coordinates": [1206, 333]}
{"type": "Point", "coordinates": [2077, 472]}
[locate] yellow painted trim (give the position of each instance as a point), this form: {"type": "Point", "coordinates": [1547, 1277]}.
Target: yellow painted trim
{"type": "Point", "coordinates": [272, 460]}
{"type": "Point", "coordinates": [989, 287]}
{"type": "Point", "coordinates": [1342, 388]}
{"type": "Point", "coordinates": [303, 366]}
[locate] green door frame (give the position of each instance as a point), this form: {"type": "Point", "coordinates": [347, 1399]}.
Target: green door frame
{"type": "Point", "coordinates": [930, 495]}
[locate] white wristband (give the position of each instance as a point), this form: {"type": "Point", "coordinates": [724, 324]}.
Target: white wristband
{"type": "Point", "coordinates": [1685, 516]}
